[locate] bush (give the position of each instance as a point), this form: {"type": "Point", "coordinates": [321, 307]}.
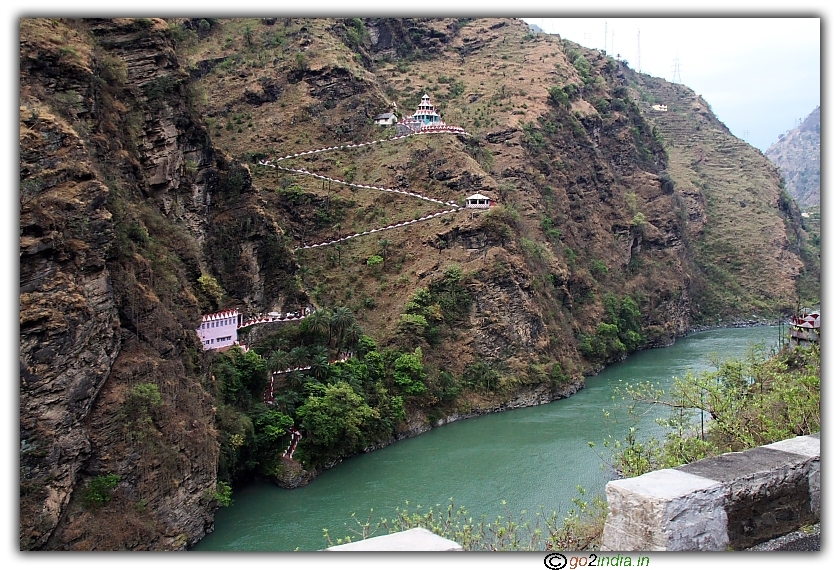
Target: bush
{"type": "Point", "coordinates": [751, 402]}
{"type": "Point", "coordinates": [223, 494]}
{"type": "Point", "coordinates": [559, 97]}
{"type": "Point", "coordinates": [99, 489]}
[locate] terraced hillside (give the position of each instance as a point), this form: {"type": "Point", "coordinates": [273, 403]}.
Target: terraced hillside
{"type": "Point", "coordinates": [746, 235]}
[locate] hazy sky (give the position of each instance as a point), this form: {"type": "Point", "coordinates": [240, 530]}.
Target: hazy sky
{"type": "Point", "coordinates": [760, 75]}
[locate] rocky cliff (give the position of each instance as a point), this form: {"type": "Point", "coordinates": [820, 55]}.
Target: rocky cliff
{"type": "Point", "coordinates": [107, 277]}
{"type": "Point", "coordinates": [797, 154]}
{"type": "Point", "coordinates": [144, 205]}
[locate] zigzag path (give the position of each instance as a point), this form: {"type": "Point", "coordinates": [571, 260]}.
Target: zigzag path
{"type": "Point", "coordinates": [454, 207]}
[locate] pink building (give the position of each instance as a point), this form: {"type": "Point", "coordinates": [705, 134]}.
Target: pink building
{"type": "Point", "coordinates": [218, 330]}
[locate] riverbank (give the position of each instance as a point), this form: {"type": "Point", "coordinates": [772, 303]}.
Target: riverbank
{"type": "Point", "coordinates": [739, 324]}
{"type": "Point", "coordinates": [292, 475]}
{"type": "Point", "coordinates": [531, 458]}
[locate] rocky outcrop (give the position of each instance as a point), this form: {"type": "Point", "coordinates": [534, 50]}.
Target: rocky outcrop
{"type": "Point", "coordinates": [797, 154]}
{"type": "Point", "coordinates": [106, 299]}
{"type": "Point", "coordinates": [69, 328]}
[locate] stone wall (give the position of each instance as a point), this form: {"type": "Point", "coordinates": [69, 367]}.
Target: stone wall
{"type": "Point", "coordinates": [415, 540]}
{"type": "Point", "coordinates": [729, 502]}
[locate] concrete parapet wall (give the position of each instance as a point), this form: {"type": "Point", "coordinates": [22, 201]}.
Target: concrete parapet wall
{"type": "Point", "coordinates": [415, 539]}
{"type": "Point", "coordinates": [732, 501]}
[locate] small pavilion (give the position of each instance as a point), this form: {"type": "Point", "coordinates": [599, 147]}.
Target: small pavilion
{"type": "Point", "coordinates": [479, 202]}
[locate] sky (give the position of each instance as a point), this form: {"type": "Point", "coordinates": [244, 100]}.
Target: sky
{"type": "Point", "coordinates": [761, 76]}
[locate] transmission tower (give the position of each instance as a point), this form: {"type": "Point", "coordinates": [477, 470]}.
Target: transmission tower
{"type": "Point", "coordinates": [605, 35]}
{"type": "Point", "coordinates": [677, 77]}
{"type": "Point", "coordinates": [639, 51]}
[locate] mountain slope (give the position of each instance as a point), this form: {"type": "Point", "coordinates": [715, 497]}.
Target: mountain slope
{"type": "Point", "coordinates": [745, 235]}
{"type": "Point", "coordinates": [797, 154]}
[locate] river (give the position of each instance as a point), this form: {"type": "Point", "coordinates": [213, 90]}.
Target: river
{"type": "Point", "coordinates": [529, 458]}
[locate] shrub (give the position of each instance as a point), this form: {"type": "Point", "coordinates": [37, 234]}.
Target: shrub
{"type": "Point", "coordinates": [223, 494]}
{"type": "Point", "coordinates": [99, 489]}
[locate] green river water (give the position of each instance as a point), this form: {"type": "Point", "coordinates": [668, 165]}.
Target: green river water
{"type": "Point", "coordinates": [530, 458]}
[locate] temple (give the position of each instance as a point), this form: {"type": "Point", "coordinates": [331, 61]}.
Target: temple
{"type": "Point", "coordinates": [218, 330]}
{"type": "Point", "coordinates": [425, 118]}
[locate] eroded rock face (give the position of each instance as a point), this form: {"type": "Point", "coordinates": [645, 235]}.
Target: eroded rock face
{"type": "Point", "coordinates": [102, 172]}
{"type": "Point", "coordinates": [69, 330]}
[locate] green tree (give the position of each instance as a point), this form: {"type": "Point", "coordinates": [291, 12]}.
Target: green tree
{"type": "Point", "coordinates": [409, 373]}
{"type": "Point", "coordinates": [298, 357]}
{"type": "Point", "coordinates": [253, 372]}
{"type": "Point", "coordinates": [318, 322]}
{"type": "Point", "coordinates": [558, 96]}
{"type": "Point", "coordinates": [745, 403]}
{"type": "Point", "coordinates": [341, 321]}
{"type": "Point", "coordinates": [335, 419]}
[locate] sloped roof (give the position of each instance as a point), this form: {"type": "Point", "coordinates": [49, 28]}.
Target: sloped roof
{"type": "Point", "coordinates": [477, 197]}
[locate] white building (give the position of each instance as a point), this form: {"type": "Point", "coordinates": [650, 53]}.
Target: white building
{"type": "Point", "coordinates": [385, 119]}
{"type": "Point", "coordinates": [218, 330]}
{"type": "Point", "coordinates": [479, 201]}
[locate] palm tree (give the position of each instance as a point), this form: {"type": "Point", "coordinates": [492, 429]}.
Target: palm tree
{"type": "Point", "coordinates": [342, 319]}
{"type": "Point", "coordinates": [298, 357]}
{"type": "Point", "coordinates": [318, 322]}
{"type": "Point", "coordinates": [278, 361]}
{"type": "Point", "coordinates": [352, 335]}
{"type": "Point", "coordinates": [294, 379]}
{"type": "Point", "coordinates": [320, 362]}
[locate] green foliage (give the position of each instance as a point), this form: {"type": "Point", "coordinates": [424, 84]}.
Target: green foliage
{"type": "Point", "coordinates": [210, 287]}
{"type": "Point", "coordinates": [532, 138]}
{"type": "Point", "coordinates": [374, 260]}
{"type": "Point", "coordinates": [479, 375]}
{"type": "Point", "coordinates": [98, 491]}
{"type": "Point", "coordinates": [583, 67]}
{"type": "Point", "coordinates": [356, 32]}
{"type": "Point", "coordinates": [413, 324]}
{"type": "Point", "coordinates": [301, 63]}
{"type": "Point", "coordinates": [619, 333]}
{"type": "Point", "coordinates": [223, 494]}
{"type": "Point", "coordinates": [139, 410]}
{"type": "Point", "coordinates": [598, 268]}
{"type": "Point", "coordinates": [638, 221]}
{"type": "Point", "coordinates": [580, 530]}
{"type": "Point", "coordinates": [559, 97]}
{"type": "Point", "coordinates": [336, 420]}
{"type": "Point", "coordinates": [137, 233]}
{"type": "Point", "coordinates": [409, 373]}
{"type": "Point", "coordinates": [500, 223]}
{"type": "Point", "coordinates": [746, 403]}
